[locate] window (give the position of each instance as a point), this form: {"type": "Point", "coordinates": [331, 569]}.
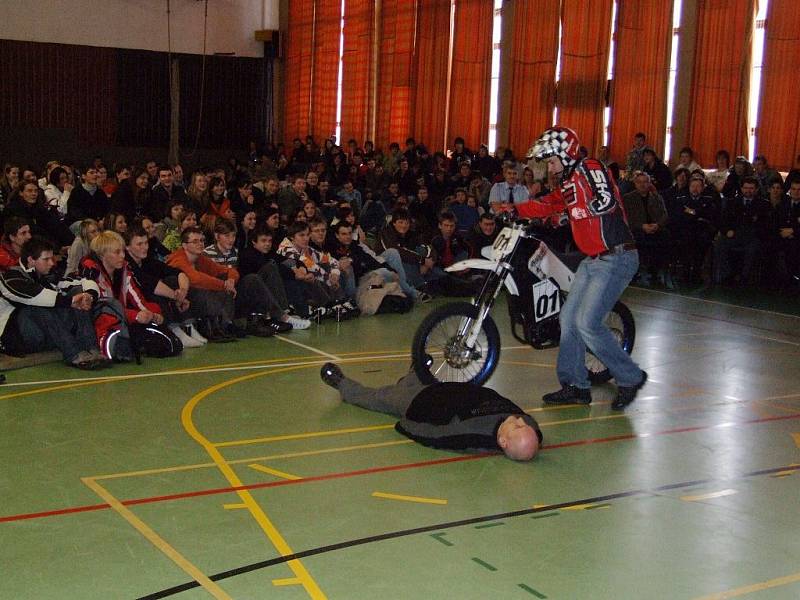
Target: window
{"type": "Point", "coordinates": [497, 38]}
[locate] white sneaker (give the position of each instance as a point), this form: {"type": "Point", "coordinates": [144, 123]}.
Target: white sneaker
{"type": "Point", "coordinates": [298, 322]}
{"type": "Point", "coordinates": [192, 332]}
{"type": "Point", "coordinates": [187, 341]}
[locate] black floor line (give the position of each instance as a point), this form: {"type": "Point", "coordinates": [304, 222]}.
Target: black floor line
{"type": "Point", "coordinates": [407, 532]}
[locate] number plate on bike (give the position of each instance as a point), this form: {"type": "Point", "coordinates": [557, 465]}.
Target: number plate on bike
{"type": "Point", "coordinates": [546, 300]}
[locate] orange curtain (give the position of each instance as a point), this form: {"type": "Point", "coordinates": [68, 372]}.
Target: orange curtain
{"type": "Point", "coordinates": [720, 80]}
{"type": "Point", "coordinates": [470, 82]}
{"type": "Point", "coordinates": [327, 20]}
{"type": "Point", "coordinates": [532, 84]}
{"type": "Point", "coordinates": [393, 120]}
{"type": "Point", "coordinates": [430, 96]}
{"type": "Point", "coordinates": [641, 74]}
{"type": "Point", "coordinates": [585, 42]}
{"type": "Point", "coordinates": [778, 135]}
{"type": "Point", "coordinates": [356, 69]}
{"type": "Point", "coordinates": [299, 45]}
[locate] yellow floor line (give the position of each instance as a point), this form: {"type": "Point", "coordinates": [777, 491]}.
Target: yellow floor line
{"type": "Point", "coordinates": [287, 581]}
{"type": "Point", "coordinates": [756, 587]}
{"type": "Point", "coordinates": [408, 498]}
{"type": "Point", "coordinates": [155, 539]}
{"type": "Point", "coordinates": [710, 495]}
{"type": "Point", "coordinates": [179, 468]}
{"type": "Point", "coordinates": [274, 472]}
{"type": "Point", "coordinates": [301, 436]}
{"type": "Point", "coordinates": [233, 506]}
{"type": "Point", "coordinates": [269, 529]}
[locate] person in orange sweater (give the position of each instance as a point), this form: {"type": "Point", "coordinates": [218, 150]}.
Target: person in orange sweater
{"type": "Point", "coordinates": [212, 289]}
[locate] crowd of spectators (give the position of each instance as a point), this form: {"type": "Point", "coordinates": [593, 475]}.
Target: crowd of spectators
{"type": "Point", "coordinates": [295, 235]}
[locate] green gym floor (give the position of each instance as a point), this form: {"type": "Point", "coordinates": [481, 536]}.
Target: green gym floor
{"type": "Point", "coordinates": [232, 471]}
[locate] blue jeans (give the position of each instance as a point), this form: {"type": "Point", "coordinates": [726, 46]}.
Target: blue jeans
{"type": "Point", "coordinates": [66, 329]}
{"type": "Point", "coordinates": [392, 258]}
{"type": "Point", "coordinates": [598, 284]}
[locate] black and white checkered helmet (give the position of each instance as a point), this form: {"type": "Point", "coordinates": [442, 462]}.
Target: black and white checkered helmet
{"type": "Point", "coordinates": [557, 141]}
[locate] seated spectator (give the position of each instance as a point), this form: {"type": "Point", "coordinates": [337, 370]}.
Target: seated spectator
{"type": "Point", "coordinates": [162, 284]}
{"type": "Point", "coordinates": [312, 212]}
{"type": "Point", "coordinates": [460, 154]}
{"type": "Point", "coordinates": [260, 298]}
{"type": "Point", "coordinates": [686, 159]}
{"type": "Point", "coordinates": [245, 226]}
{"type": "Point", "coordinates": [88, 200]}
{"type": "Point", "coordinates": [124, 306]}
{"type": "Point", "coordinates": [508, 191]}
{"type": "Point", "coordinates": [373, 214]}
{"type": "Point", "coordinates": [42, 314]}
{"type": "Point", "coordinates": [351, 195]}
{"type": "Point", "coordinates": [794, 174]}
{"type": "Point", "coordinates": [271, 219]}
{"type": "Point", "coordinates": [115, 222]}
{"type": "Point", "coordinates": [212, 288]}
{"type": "Point", "coordinates": [405, 179]}
{"type": "Point", "coordinates": [132, 197]}
{"type": "Point", "coordinates": [16, 232]}
{"type": "Point", "coordinates": [675, 191]}
{"type": "Point", "coordinates": [466, 216]}
{"type": "Point", "coordinates": [260, 258]}
{"type": "Point", "coordinates": [719, 176]}
{"type": "Point", "coordinates": [164, 192]}
{"type": "Point", "coordinates": [58, 190]}
{"type": "Point", "coordinates": [318, 274]}
{"type": "Point", "coordinates": [660, 175]}
{"type": "Point", "coordinates": [198, 194]}
{"type": "Point", "coordinates": [292, 198]}
{"type": "Point", "coordinates": [9, 181]}
{"type": "Point", "coordinates": [155, 249]}
{"type": "Point", "coordinates": [483, 234]}
{"type": "Point", "coordinates": [647, 218]}
{"type": "Point", "coordinates": [776, 193]}
{"type": "Point", "coordinates": [741, 169]}
{"type": "Point", "coordinates": [764, 175]}
{"type": "Point", "coordinates": [418, 261]}
{"type": "Point", "coordinates": [487, 164]}
{"type": "Point", "coordinates": [786, 229]}
{"type": "Point", "coordinates": [172, 240]}
{"type": "Point", "coordinates": [88, 230]}
{"type": "Point", "coordinates": [44, 223]}
{"type": "Point", "coordinates": [744, 229]}
{"type": "Point", "coordinates": [219, 205]}
{"type": "Point", "coordinates": [693, 227]}
{"type": "Point", "coordinates": [242, 197]}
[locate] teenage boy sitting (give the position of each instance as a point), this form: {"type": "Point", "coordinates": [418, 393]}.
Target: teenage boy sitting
{"type": "Point", "coordinates": [38, 314]}
{"type": "Point", "coordinates": [259, 258]}
{"type": "Point", "coordinates": [17, 231]}
{"type": "Point", "coordinates": [259, 293]}
{"type": "Point", "coordinates": [419, 267]}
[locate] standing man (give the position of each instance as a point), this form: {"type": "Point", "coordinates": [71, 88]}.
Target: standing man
{"type": "Point", "coordinates": [600, 228]}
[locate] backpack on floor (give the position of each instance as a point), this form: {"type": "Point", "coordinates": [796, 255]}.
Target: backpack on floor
{"type": "Point", "coordinates": [156, 341]}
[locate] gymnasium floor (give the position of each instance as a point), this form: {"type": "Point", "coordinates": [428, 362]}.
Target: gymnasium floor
{"type": "Point", "coordinates": [122, 486]}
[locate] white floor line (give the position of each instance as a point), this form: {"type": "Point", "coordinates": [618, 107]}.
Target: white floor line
{"type": "Point", "coordinates": [112, 378]}
{"type": "Point", "coordinates": [760, 310]}
{"type": "Point", "coordinates": [311, 348]}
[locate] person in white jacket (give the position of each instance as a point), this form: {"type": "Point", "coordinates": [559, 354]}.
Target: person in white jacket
{"type": "Point", "coordinates": [58, 190]}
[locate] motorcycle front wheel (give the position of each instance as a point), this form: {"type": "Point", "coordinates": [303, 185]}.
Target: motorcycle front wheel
{"type": "Point", "coordinates": [439, 351]}
{"type": "Point", "coordinates": [620, 322]}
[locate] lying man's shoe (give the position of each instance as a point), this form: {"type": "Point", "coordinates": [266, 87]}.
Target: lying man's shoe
{"type": "Point", "coordinates": [626, 395]}
{"type": "Point", "coordinates": [569, 394]}
{"type": "Point", "coordinates": [83, 360]}
{"type": "Point", "coordinates": [331, 374]}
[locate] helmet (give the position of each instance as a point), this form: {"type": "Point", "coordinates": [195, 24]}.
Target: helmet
{"type": "Point", "coordinates": [557, 141]}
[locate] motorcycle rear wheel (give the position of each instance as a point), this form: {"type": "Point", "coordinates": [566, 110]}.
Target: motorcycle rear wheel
{"type": "Point", "coordinates": [438, 351]}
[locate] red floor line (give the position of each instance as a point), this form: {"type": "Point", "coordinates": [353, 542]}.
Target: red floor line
{"type": "Point", "coordinates": [401, 467]}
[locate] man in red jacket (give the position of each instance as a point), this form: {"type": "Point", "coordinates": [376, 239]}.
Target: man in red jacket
{"type": "Point", "coordinates": [600, 228]}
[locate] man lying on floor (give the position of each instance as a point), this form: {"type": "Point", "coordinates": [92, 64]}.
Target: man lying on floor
{"type": "Point", "coordinates": [448, 416]}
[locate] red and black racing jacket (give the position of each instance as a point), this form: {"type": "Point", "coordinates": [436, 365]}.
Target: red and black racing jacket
{"type": "Point", "coordinates": [594, 206]}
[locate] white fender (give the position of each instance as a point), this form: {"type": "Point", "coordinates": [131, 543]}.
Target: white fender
{"type": "Point", "coordinates": [484, 265]}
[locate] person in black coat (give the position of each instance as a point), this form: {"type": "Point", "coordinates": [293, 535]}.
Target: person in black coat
{"type": "Point", "coordinates": [88, 201]}
{"type": "Point", "coordinates": [786, 230]}
{"type": "Point", "coordinates": [449, 416]}
{"type": "Point", "coordinates": [27, 205]}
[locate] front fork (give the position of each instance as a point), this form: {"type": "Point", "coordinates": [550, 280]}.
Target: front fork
{"type": "Point", "coordinates": [470, 329]}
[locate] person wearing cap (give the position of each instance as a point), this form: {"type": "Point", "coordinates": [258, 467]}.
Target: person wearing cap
{"type": "Point", "coordinates": [447, 416]}
{"type": "Point", "coordinates": [741, 169]}
{"type": "Point", "coordinates": [600, 229]}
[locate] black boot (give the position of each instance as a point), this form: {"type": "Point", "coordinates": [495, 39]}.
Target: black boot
{"type": "Point", "coordinates": [569, 394]}
{"type": "Point", "coordinates": [626, 395]}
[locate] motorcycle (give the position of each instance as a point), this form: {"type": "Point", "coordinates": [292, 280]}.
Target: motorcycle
{"type": "Point", "coordinates": [460, 341]}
